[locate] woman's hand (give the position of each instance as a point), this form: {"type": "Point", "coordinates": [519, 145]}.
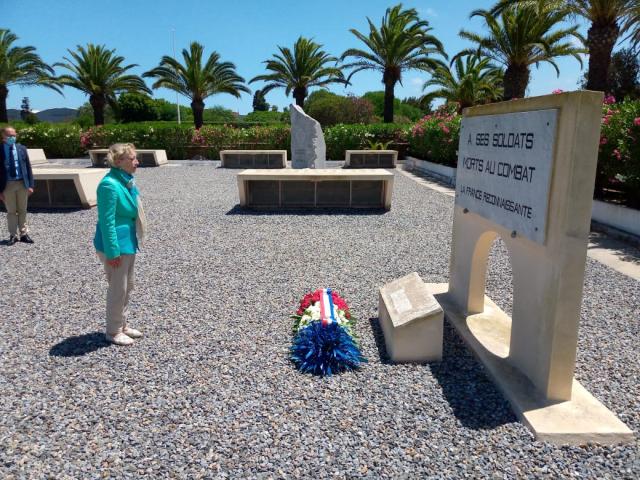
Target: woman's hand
{"type": "Point", "coordinates": [114, 262]}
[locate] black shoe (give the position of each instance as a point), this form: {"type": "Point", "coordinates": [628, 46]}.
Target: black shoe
{"type": "Point", "coordinates": [13, 239]}
{"type": "Point", "coordinates": [26, 238]}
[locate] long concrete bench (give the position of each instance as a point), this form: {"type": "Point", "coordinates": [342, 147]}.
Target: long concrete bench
{"type": "Point", "coordinates": [371, 159]}
{"type": "Point", "coordinates": [316, 188]}
{"type": "Point", "coordinates": [147, 158]}
{"type": "Point", "coordinates": [253, 158]}
{"type": "Point", "coordinates": [65, 187]}
{"type": "Point", "coordinates": [37, 156]}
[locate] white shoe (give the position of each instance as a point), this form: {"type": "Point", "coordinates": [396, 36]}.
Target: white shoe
{"type": "Point", "coordinates": [132, 332]}
{"type": "Point", "coordinates": [119, 339]}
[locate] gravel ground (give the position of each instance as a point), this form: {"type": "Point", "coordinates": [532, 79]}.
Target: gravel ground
{"type": "Point", "coordinates": [210, 392]}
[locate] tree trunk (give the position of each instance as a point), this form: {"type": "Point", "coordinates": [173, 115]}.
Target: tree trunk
{"type": "Point", "coordinates": [389, 97]}
{"type": "Point", "coordinates": [300, 93]}
{"type": "Point", "coordinates": [600, 40]}
{"type": "Point", "coordinates": [97, 103]}
{"type": "Point", "coordinates": [516, 80]}
{"type": "Point", "coordinates": [197, 106]}
{"type": "Point", "coordinates": [4, 93]}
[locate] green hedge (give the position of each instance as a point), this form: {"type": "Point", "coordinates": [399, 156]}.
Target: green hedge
{"type": "Point", "coordinates": [183, 141]}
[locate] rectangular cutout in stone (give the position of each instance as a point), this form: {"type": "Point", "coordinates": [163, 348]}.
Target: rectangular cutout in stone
{"type": "Point", "coordinates": [366, 193]}
{"type": "Point", "coordinates": [253, 158]}
{"type": "Point", "coordinates": [371, 159]}
{"type": "Point", "coordinates": [298, 194]}
{"type": "Point", "coordinates": [333, 193]}
{"type": "Point", "coordinates": [264, 194]}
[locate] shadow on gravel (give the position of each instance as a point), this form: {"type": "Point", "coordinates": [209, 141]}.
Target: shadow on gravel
{"type": "Point", "coordinates": [474, 399]}
{"type": "Point", "coordinates": [379, 338]}
{"type": "Point", "coordinates": [355, 212]}
{"type": "Point", "coordinates": [79, 345]}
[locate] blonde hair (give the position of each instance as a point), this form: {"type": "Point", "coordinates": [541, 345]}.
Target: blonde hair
{"type": "Point", "coordinates": [119, 150]}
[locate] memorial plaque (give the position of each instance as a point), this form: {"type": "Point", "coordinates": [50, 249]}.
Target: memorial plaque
{"type": "Point", "coordinates": [146, 159]}
{"type": "Point", "coordinates": [504, 169]}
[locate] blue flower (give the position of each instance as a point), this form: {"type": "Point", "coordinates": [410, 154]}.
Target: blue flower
{"type": "Point", "coordinates": [325, 350]}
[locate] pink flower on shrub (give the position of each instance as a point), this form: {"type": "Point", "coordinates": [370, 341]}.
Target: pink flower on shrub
{"type": "Point", "coordinates": [603, 140]}
{"type": "Point", "coordinates": [609, 100]}
{"type": "Point", "coordinates": [636, 121]}
{"type": "Point", "coordinates": [606, 119]}
{"type": "Point", "coordinates": [445, 129]}
{"type": "Point", "coordinates": [557, 91]}
{"type": "Point", "coordinates": [617, 154]}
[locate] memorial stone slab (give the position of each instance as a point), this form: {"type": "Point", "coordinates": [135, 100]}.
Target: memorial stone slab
{"type": "Point", "coordinates": [411, 320]}
{"type": "Point", "coordinates": [526, 171]}
{"type": "Point", "coordinates": [308, 149]}
{"type": "Point", "coordinates": [37, 156]}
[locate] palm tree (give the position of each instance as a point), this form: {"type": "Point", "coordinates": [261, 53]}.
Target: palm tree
{"type": "Point", "coordinates": [609, 20]}
{"type": "Point", "coordinates": [98, 72]}
{"type": "Point", "coordinates": [197, 81]}
{"type": "Point", "coordinates": [524, 35]}
{"type": "Point", "coordinates": [20, 66]}
{"type": "Point", "coordinates": [473, 81]}
{"type": "Point", "coordinates": [633, 24]}
{"type": "Point", "coordinates": [306, 67]}
{"type": "Point", "coordinates": [401, 43]}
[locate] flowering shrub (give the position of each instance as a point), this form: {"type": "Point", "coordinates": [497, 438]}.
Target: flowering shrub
{"type": "Point", "coordinates": [59, 141]}
{"type": "Point", "coordinates": [619, 153]}
{"type": "Point", "coordinates": [340, 138]}
{"type": "Point", "coordinates": [435, 137]}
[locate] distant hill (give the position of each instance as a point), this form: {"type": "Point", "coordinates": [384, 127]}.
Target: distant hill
{"type": "Point", "coordinates": [50, 115]}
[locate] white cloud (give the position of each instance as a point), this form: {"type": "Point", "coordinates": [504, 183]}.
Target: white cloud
{"type": "Point", "coordinates": [429, 12]}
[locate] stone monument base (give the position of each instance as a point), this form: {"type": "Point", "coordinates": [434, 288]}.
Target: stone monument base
{"type": "Point", "coordinates": [411, 320]}
{"type": "Point", "coordinates": [581, 420]}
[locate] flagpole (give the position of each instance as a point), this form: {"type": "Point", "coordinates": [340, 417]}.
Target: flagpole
{"type": "Point", "coordinates": [173, 47]}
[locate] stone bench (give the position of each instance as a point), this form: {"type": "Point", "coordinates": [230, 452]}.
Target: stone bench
{"type": "Point", "coordinates": [316, 188]}
{"type": "Point", "coordinates": [147, 158]}
{"type": "Point", "coordinates": [371, 159]}
{"type": "Point", "coordinates": [411, 320]}
{"type": "Point", "coordinates": [37, 156]}
{"type": "Point", "coordinates": [65, 187]}
{"type": "Point", "coordinates": [253, 158]}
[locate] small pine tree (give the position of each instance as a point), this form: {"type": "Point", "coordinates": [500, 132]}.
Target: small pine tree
{"type": "Point", "coordinates": [25, 108]}
{"type": "Point", "coordinates": [259, 102]}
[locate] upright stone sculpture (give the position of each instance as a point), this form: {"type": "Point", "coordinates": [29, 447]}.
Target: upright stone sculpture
{"type": "Point", "coordinates": [308, 149]}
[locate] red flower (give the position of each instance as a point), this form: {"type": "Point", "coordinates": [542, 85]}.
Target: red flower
{"type": "Point", "coordinates": [311, 298]}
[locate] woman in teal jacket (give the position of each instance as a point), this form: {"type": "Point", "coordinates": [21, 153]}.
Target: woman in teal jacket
{"type": "Point", "coordinates": [120, 224]}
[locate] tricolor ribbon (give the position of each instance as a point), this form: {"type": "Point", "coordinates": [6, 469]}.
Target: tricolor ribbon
{"type": "Point", "coordinates": [327, 315]}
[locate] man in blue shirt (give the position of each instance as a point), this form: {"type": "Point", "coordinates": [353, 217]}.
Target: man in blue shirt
{"type": "Point", "coordinates": [16, 184]}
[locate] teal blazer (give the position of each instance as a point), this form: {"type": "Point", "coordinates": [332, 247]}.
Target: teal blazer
{"type": "Point", "coordinates": [117, 213]}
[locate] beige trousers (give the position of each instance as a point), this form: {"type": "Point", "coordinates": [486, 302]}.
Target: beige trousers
{"type": "Point", "coordinates": [120, 285]}
{"type": "Point", "coordinates": [15, 199]}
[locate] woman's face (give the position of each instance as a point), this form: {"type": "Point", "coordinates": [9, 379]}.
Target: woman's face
{"type": "Point", "coordinates": [129, 163]}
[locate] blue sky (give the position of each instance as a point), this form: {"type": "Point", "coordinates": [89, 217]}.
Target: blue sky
{"type": "Point", "coordinates": [246, 32]}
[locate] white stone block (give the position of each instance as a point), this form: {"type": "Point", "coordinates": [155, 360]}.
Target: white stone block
{"type": "Point", "coordinates": [411, 320]}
